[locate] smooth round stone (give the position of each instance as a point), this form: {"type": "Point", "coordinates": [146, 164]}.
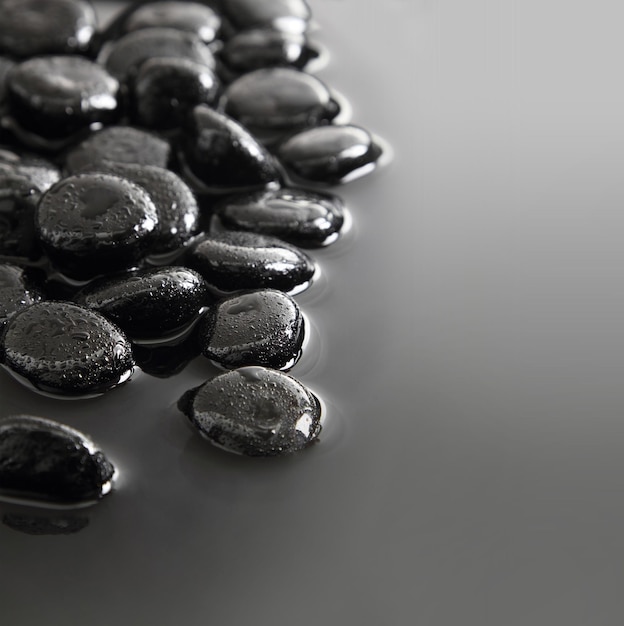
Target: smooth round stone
{"type": "Point", "coordinates": [151, 303]}
{"type": "Point", "coordinates": [259, 48]}
{"type": "Point", "coordinates": [254, 411]}
{"type": "Point", "coordinates": [36, 27]}
{"type": "Point", "coordinates": [124, 57]}
{"type": "Point", "coordinates": [329, 154]}
{"type": "Point", "coordinates": [176, 206]}
{"type": "Point", "coordinates": [305, 218]}
{"type": "Point", "coordinates": [17, 290]}
{"type": "Point", "coordinates": [279, 99]}
{"type": "Point", "coordinates": [118, 144]}
{"type": "Point", "coordinates": [40, 173]}
{"type": "Point", "coordinates": [286, 15]}
{"type": "Point", "coordinates": [218, 155]}
{"type": "Point", "coordinates": [64, 349]}
{"type": "Point", "coordinates": [236, 260]}
{"type": "Point", "coordinates": [93, 224]}
{"type": "Point", "coordinates": [41, 459]}
{"type": "Point", "coordinates": [192, 17]}
{"type": "Point", "coordinates": [263, 327]}
{"type": "Point", "coordinates": [166, 89]}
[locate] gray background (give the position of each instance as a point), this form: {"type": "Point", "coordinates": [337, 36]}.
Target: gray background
{"type": "Point", "coordinates": [467, 336]}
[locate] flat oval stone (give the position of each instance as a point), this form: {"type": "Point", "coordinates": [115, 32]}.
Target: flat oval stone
{"type": "Point", "coordinates": [149, 303]}
{"type": "Point", "coordinates": [93, 224]}
{"type": "Point", "coordinates": [279, 99]}
{"type": "Point", "coordinates": [124, 57]}
{"type": "Point", "coordinates": [40, 173]}
{"type": "Point", "coordinates": [36, 27]}
{"type": "Point", "coordinates": [18, 290]}
{"type": "Point", "coordinates": [286, 15]}
{"type": "Point", "coordinates": [64, 349]}
{"type": "Point", "coordinates": [54, 97]}
{"type": "Point", "coordinates": [329, 154]}
{"type": "Point", "coordinates": [254, 411]}
{"type": "Point", "coordinates": [166, 89]}
{"type": "Point", "coordinates": [263, 327]}
{"type": "Point", "coordinates": [218, 155]}
{"type": "Point", "coordinates": [303, 217]}
{"type": "Point", "coordinates": [41, 459]}
{"type": "Point", "coordinates": [192, 17]}
{"type": "Point", "coordinates": [236, 260]}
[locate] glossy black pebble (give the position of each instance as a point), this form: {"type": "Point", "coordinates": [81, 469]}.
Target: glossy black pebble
{"type": "Point", "coordinates": [65, 349]}
{"type": "Point", "coordinates": [17, 290]}
{"type": "Point", "coordinates": [330, 154]}
{"type": "Point", "coordinates": [43, 460]}
{"type": "Point", "coordinates": [305, 218]}
{"type": "Point", "coordinates": [37, 27]}
{"type": "Point", "coordinates": [237, 260]}
{"type": "Point", "coordinates": [279, 99]}
{"type": "Point", "coordinates": [285, 15]}
{"type": "Point", "coordinates": [263, 327]}
{"type": "Point", "coordinates": [54, 97]}
{"type": "Point", "coordinates": [92, 224]}
{"type": "Point", "coordinates": [254, 411]}
{"type": "Point", "coordinates": [118, 144]}
{"type": "Point", "coordinates": [218, 155]}
{"type": "Point", "coordinates": [150, 303]}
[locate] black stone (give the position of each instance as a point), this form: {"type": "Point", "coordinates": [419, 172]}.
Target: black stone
{"type": "Point", "coordinates": [218, 155]}
{"type": "Point", "coordinates": [166, 89]}
{"type": "Point", "coordinates": [118, 144]}
{"type": "Point", "coordinates": [40, 173]}
{"type": "Point", "coordinates": [236, 260]}
{"type": "Point", "coordinates": [44, 460]}
{"type": "Point", "coordinates": [166, 360]}
{"type": "Point", "coordinates": [285, 15]}
{"type": "Point", "coordinates": [65, 349]}
{"type": "Point", "coordinates": [149, 303]}
{"type": "Point", "coordinates": [329, 154]}
{"type": "Point", "coordinates": [37, 27]}
{"type": "Point", "coordinates": [305, 218]}
{"type": "Point", "coordinates": [18, 290]}
{"type": "Point", "coordinates": [57, 97]}
{"type": "Point", "coordinates": [93, 224]}
{"type": "Point", "coordinates": [254, 411]}
{"type": "Point", "coordinates": [263, 327]}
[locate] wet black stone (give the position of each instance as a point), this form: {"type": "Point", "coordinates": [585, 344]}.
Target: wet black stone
{"type": "Point", "coordinates": [18, 290]}
{"type": "Point", "coordinates": [40, 173]}
{"type": "Point", "coordinates": [258, 48]}
{"type": "Point", "coordinates": [193, 17]}
{"type": "Point", "coordinates": [176, 206]}
{"type": "Point", "coordinates": [118, 144]}
{"type": "Point", "coordinates": [263, 327]}
{"type": "Point", "coordinates": [254, 411]}
{"type": "Point", "coordinates": [44, 460]}
{"type": "Point", "coordinates": [150, 303]}
{"type": "Point", "coordinates": [285, 15]}
{"type": "Point", "coordinates": [45, 525]}
{"type": "Point", "coordinates": [218, 155]}
{"type": "Point", "coordinates": [236, 260]}
{"type": "Point", "coordinates": [279, 99]}
{"type": "Point", "coordinates": [305, 218]}
{"type": "Point", "coordinates": [329, 154]}
{"type": "Point", "coordinates": [37, 27]}
{"type": "Point", "coordinates": [123, 57]}
{"type": "Point", "coordinates": [56, 97]}
{"type": "Point", "coordinates": [92, 224]}
{"type": "Point", "coordinates": [65, 349]}
{"type": "Point", "coordinates": [166, 89]}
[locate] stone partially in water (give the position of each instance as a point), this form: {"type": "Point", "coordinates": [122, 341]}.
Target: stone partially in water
{"type": "Point", "coordinates": [330, 154]}
{"type": "Point", "coordinates": [41, 459]}
{"type": "Point", "coordinates": [303, 217]}
{"type": "Point", "coordinates": [63, 349]}
{"type": "Point", "coordinates": [94, 224]}
{"type": "Point", "coordinates": [263, 327]}
{"type": "Point", "coordinates": [286, 15]}
{"type": "Point", "coordinates": [237, 260]}
{"type": "Point", "coordinates": [17, 290]}
{"type": "Point", "coordinates": [254, 411]}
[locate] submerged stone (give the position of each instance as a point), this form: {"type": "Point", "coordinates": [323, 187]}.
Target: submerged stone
{"type": "Point", "coordinates": [254, 411]}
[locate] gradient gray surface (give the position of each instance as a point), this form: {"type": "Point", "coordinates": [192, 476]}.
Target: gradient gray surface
{"type": "Point", "coordinates": [467, 336]}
